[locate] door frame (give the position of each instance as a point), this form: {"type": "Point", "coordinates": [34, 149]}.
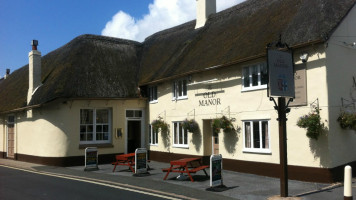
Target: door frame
{"type": "Point", "coordinates": [7, 135]}
{"type": "Point", "coordinates": [142, 120]}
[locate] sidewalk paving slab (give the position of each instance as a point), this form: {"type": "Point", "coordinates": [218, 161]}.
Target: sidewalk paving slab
{"type": "Point", "coordinates": [239, 185]}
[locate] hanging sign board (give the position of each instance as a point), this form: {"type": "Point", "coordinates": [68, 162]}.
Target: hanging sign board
{"type": "Point", "coordinates": [141, 161]}
{"type": "Point", "coordinates": [91, 159]}
{"type": "Point", "coordinates": [216, 170]}
{"type": "Point", "coordinates": [281, 73]}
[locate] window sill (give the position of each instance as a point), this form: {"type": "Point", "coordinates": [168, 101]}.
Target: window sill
{"type": "Point", "coordinates": [257, 151]}
{"type": "Point", "coordinates": [254, 88]}
{"type": "Point", "coordinates": [106, 145]}
{"type": "Point", "coordinates": [155, 145]}
{"type": "Point", "coordinates": [180, 98]}
{"type": "Point", "coordinates": [153, 102]}
{"type": "Point", "coordinates": [180, 146]}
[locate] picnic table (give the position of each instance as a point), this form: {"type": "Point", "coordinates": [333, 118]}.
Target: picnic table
{"type": "Point", "coordinates": [125, 160]}
{"type": "Point", "coordinates": [186, 165]}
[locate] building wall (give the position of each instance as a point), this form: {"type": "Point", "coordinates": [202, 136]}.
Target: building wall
{"type": "Point", "coordinates": [245, 106]}
{"type": "Point", "coordinates": [53, 130]}
{"type": "Point", "coordinates": [341, 71]}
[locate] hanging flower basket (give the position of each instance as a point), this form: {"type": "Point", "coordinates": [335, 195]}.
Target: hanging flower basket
{"type": "Point", "coordinates": [312, 122]}
{"type": "Point", "coordinates": [223, 123]}
{"type": "Point", "coordinates": [191, 125]}
{"type": "Point", "coordinates": [160, 124]}
{"type": "Point", "coordinates": [347, 120]}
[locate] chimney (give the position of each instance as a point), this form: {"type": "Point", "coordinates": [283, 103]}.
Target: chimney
{"type": "Point", "coordinates": [204, 9]}
{"type": "Point", "coordinates": [7, 73]}
{"type": "Point", "coordinates": [34, 69]}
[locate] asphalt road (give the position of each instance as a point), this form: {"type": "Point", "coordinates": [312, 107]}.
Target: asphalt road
{"type": "Point", "coordinates": [19, 184]}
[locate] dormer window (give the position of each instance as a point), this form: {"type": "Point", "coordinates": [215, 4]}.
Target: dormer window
{"type": "Point", "coordinates": [179, 89]}
{"type": "Point", "coordinates": [254, 77]}
{"type": "Point", "coordinates": [152, 92]}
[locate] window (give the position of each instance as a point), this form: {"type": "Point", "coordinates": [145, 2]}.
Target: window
{"type": "Point", "coordinates": [254, 77]}
{"type": "Point", "coordinates": [95, 126]}
{"type": "Point", "coordinates": [133, 113]}
{"type": "Point", "coordinates": [180, 135]}
{"type": "Point", "coordinates": [153, 135]}
{"type": "Point", "coordinates": [256, 136]}
{"type": "Point", "coordinates": [152, 91]}
{"type": "Point", "coordinates": [180, 89]}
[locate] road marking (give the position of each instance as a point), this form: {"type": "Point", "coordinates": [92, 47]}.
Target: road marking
{"type": "Point", "coordinates": [121, 186]}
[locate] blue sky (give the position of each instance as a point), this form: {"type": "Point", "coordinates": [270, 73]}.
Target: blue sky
{"type": "Point", "coordinates": [55, 23]}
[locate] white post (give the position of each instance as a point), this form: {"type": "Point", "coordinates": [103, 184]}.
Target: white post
{"type": "Point", "coordinates": [348, 183]}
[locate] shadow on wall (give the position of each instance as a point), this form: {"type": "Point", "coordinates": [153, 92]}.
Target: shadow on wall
{"type": "Point", "coordinates": [230, 140]}
{"type": "Point", "coordinates": [319, 148]}
{"type": "Point", "coordinates": [197, 140]}
{"type": "Point", "coordinates": [166, 137]}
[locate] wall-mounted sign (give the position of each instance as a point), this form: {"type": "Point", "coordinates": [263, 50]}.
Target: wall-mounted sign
{"type": "Point", "coordinates": [281, 73]}
{"type": "Point", "coordinates": [300, 82]}
{"type": "Point", "coordinates": [141, 161]}
{"type": "Point", "coordinates": [210, 99]}
{"type": "Point", "coordinates": [91, 159]}
{"type": "Point", "coordinates": [216, 170]}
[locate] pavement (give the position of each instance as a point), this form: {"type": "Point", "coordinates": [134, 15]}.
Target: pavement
{"type": "Point", "coordinates": [238, 185]}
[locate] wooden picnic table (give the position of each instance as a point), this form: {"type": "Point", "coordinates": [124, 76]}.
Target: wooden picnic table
{"type": "Point", "coordinates": [125, 160]}
{"type": "Point", "coordinates": [186, 165]}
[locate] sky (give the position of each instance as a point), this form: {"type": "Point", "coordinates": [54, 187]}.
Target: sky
{"type": "Point", "coordinates": [55, 23]}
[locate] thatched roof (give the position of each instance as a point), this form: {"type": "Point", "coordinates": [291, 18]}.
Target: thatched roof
{"type": "Point", "coordinates": [87, 67]}
{"type": "Point", "coordinates": [102, 67]}
{"type": "Point", "coordinates": [238, 33]}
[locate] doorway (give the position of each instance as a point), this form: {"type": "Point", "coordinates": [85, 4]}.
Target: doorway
{"type": "Point", "coordinates": [133, 135]}
{"type": "Point", "coordinates": [211, 141]}
{"type": "Point", "coordinates": [11, 137]}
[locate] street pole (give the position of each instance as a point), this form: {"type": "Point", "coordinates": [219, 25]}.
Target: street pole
{"type": "Point", "coordinates": [282, 121]}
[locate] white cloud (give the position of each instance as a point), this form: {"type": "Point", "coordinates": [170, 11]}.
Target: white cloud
{"type": "Point", "coordinates": [162, 14]}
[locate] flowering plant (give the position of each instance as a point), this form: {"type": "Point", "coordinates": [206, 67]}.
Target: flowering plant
{"type": "Point", "coordinates": [312, 122]}
{"type": "Point", "coordinates": [191, 125]}
{"type": "Point", "coordinates": [347, 120]}
{"type": "Point", "coordinates": [160, 124]}
{"type": "Point", "coordinates": [223, 123]}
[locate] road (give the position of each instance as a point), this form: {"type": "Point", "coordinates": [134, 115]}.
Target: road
{"type": "Point", "coordinates": [24, 184]}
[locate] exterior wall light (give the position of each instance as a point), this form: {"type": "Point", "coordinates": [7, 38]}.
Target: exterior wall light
{"type": "Point", "coordinates": [304, 57]}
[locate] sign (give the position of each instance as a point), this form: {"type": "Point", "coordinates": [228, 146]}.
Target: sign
{"type": "Point", "coordinates": [141, 161]}
{"type": "Point", "coordinates": [216, 170]}
{"type": "Point", "coordinates": [300, 83]}
{"type": "Point", "coordinates": [210, 99]}
{"type": "Point", "coordinates": [281, 74]}
{"type": "Point", "coordinates": [91, 159]}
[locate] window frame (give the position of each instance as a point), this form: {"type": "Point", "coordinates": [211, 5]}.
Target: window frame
{"type": "Point", "coordinates": [151, 133]}
{"type": "Point", "coordinates": [184, 133]}
{"type": "Point", "coordinates": [252, 149]}
{"type": "Point", "coordinates": [153, 94]}
{"type": "Point", "coordinates": [259, 85]}
{"type": "Point", "coordinates": [175, 89]}
{"type": "Point", "coordinates": [94, 124]}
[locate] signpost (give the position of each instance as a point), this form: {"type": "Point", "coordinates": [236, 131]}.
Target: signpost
{"type": "Point", "coordinates": [141, 161]}
{"type": "Point", "coordinates": [281, 84]}
{"type": "Point", "coordinates": [91, 159]}
{"type": "Point", "coordinates": [216, 170]}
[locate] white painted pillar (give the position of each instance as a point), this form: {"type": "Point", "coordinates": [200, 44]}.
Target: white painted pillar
{"type": "Point", "coordinates": [348, 183]}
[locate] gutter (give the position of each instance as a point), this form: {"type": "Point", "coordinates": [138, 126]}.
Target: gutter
{"type": "Point", "coordinates": [228, 64]}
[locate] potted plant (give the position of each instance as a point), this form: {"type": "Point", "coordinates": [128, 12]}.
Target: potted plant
{"type": "Point", "coordinates": [347, 120]}
{"type": "Point", "coordinates": [312, 122]}
{"type": "Point", "coordinates": [191, 125]}
{"type": "Point", "coordinates": [223, 123]}
{"type": "Point", "coordinates": [160, 124]}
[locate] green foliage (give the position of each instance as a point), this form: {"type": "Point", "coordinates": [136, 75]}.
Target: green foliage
{"type": "Point", "coordinates": [312, 122]}
{"type": "Point", "coordinates": [347, 120]}
{"type": "Point", "coordinates": [223, 123]}
{"type": "Point", "coordinates": [191, 125]}
{"type": "Point", "coordinates": [160, 124]}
